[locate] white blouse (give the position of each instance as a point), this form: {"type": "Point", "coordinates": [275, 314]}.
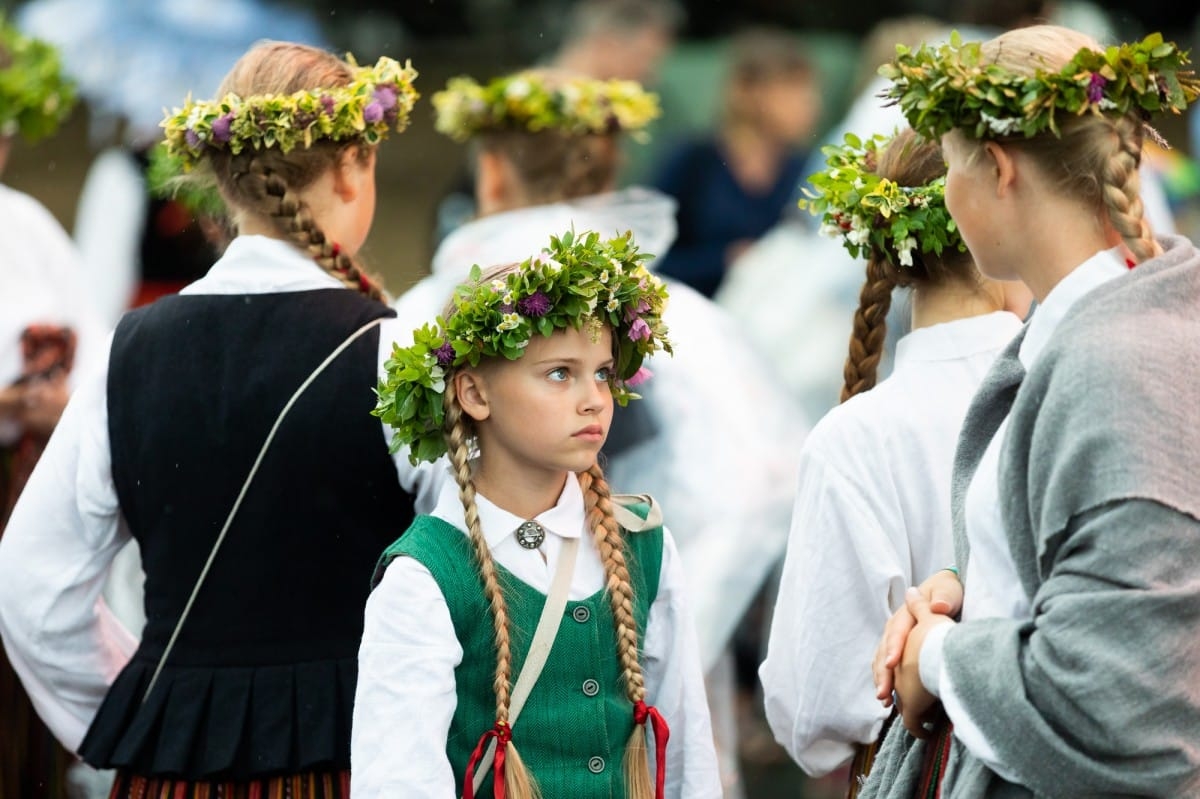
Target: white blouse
{"type": "Point", "coordinates": [871, 518]}
{"type": "Point", "coordinates": [406, 690]}
{"type": "Point", "coordinates": [62, 640]}
{"type": "Point", "coordinates": [993, 588]}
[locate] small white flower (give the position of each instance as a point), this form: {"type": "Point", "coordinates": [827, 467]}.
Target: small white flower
{"type": "Point", "coordinates": [1001, 127]}
{"type": "Point", "coordinates": [905, 248]}
{"type": "Point", "coordinates": [616, 265]}
{"type": "Point", "coordinates": [612, 303]}
{"type": "Point", "coordinates": [858, 236]}
{"type": "Point", "coordinates": [507, 299]}
{"type": "Point", "coordinates": [832, 231]}
{"type": "Point", "coordinates": [1107, 104]}
{"type": "Point", "coordinates": [859, 184]}
{"type": "Point", "coordinates": [543, 259]}
{"type": "Point", "coordinates": [518, 90]}
{"type": "Point", "coordinates": [498, 285]}
{"type": "Point", "coordinates": [604, 276]}
{"type": "Point", "coordinates": [509, 321]}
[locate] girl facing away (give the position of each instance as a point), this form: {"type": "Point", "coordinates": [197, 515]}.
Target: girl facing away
{"type": "Point", "coordinates": [257, 527]}
{"type": "Point", "coordinates": [872, 513]}
{"type": "Point", "coordinates": [516, 383]}
{"type": "Point", "coordinates": [1070, 671]}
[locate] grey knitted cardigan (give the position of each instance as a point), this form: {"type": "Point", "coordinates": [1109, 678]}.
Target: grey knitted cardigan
{"type": "Point", "coordinates": [1099, 693]}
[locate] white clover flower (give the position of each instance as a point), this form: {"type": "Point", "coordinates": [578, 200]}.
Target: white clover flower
{"type": "Point", "coordinates": [905, 248]}
{"type": "Point", "coordinates": [518, 89]}
{"type": "Point", "coordinates": [509, 321]}
{"type": "Point", "coordinates": [858, 236]}
{"type": "Point", "coordinates": [832, 231]}
{"type": "Point", "coordinates": [1001, 127]}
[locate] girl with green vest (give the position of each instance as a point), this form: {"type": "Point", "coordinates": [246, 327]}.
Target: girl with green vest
{"type": "Point", "coordinates": [533, 611]}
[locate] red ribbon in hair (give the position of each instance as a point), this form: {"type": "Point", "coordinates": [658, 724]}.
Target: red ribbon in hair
{"type": "Point", "coordinates": [335, 250]}
{"type": "Point", "coordinates": [363, 285]}
{"type": "Point", "coordinates": [642, 712]}
{"type": "Point", "coordinates": [503, 735]}
{"type": "Point", "coordinates": [1129, 262]}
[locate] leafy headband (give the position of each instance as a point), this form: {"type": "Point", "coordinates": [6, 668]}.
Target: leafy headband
{"type": "Point", "coordinates": [377, 99]}
{"type": "Point", "coordinates": [866, 211]}
{"type": "Point", "coordinates": [35, 97]}
{"type": "Point", "coordinates": [577, 279]}
{"type": "Point", "coordinates": [954, 86]}
{"type": "Point", "coordinates": [535, 101]}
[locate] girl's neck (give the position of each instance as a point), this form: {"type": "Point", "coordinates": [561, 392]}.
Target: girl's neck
{"type": "Point", "coordinates": [950, 302]}
{"type": "Point", "coordinates": [521, 493]}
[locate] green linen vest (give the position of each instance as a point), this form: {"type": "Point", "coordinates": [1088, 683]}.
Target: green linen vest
{"type": "Point", "coordinates": [575, 725]}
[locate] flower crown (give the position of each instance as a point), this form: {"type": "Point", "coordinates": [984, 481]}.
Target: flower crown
{"type": "Point", "coordinates": [867, 211]}
{"type": "Point", "coordinates": [377, 99]}
{"type": "Point", "coordinates": [952, 86]}
{"type": "Point", "coordinates": [576, 279]}
{"type": "Point", "coordinates": [536, 101]}
{"type": "Point", "coordinates": [35, 97]}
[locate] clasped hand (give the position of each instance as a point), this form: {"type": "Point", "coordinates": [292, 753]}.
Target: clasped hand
{"type": "Point", "coordinates": [896, 667]}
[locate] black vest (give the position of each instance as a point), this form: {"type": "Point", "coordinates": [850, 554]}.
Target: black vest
{"type": "Point", "coordinates": [261, 679]}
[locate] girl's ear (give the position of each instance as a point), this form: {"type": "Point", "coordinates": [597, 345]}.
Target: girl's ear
{"type": "Point", "coordinates": [1004, 167]}
{"type": "Point", "coordinates": [471, 390]}
{"type": "Point", "coordinates": [493, 182]}
{"type": "Point", "coordinates": [352, 167]}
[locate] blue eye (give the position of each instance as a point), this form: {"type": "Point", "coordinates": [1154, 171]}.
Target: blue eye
{"type": "Point", "coordinates": [604, 374]}
{"type": "Point", "coordinates": [558, 375]}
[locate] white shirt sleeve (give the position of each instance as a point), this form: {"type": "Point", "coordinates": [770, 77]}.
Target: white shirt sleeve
{"type": "Point", "coordinates": [843, 576]}
{"type": "Point", "coordinates": [406, 694]}
{"type": "Point", "coordinates": [675, 685]}
{"type": "Point", "coordinates": [64, 644]}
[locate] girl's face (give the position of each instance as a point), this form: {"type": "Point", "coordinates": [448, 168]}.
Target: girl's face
{"type": "Point", "coordinates": [971, 201]}
{"type": "Point", "coordinates": [548, 412]}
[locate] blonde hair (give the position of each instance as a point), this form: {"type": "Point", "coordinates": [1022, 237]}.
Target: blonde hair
{"type": "Point", "coordinates": [266, 182]}
{"type": "Point", "coordinates": [1096, 158]}
{"type": "Point", "coordinates": [609, 539]}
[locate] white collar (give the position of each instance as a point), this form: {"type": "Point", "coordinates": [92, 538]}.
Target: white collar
{"type": "Point", "coordinates": [1092, 273]}
{"type": "Point", "coordinates": [960, 338]}
{"type": "Point", "coordinates": [513, 236]}
{"type": "Point", "coordinates": [565, 519]}
{"type": "Point", "coordinates": [261, 265]}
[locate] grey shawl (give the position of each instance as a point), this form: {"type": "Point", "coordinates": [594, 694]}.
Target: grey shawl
{"type": "Point", "coordinates": [1098, 694]}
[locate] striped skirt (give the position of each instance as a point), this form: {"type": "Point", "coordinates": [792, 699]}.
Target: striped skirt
{"type": "Point", "coordinates": [312, 785]}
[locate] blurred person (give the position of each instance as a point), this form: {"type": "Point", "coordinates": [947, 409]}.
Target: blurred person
{"type": "Point", "coordinates": [716, 447]}
{"type": "Point", "coordinates": [623, 39]}
{"type": "Point", "coordinates": [49, 337]}
{"type": "Point", "coordinates": [733, 187]}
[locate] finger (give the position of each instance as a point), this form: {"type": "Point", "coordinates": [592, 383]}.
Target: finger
{"type": "Point", "coordinates": [917, 604]}
{"type": "Point", "coordinates": [882, 676]}
{"type": "Point", "coordinates": [896, 635]}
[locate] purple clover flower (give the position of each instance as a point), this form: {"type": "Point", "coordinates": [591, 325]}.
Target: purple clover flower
{"type": "Point", "coordinates": [193, 139]}
{"type": "Point", "coordinates": [386, 97]}
{"type": "Point", "coordinates": [373, 112]}
{"type": "Point", "coordinates": [328, 104]}
{"type": "Point", "coordinates": [220, 128]}
{"type": "Point", "coordinates": [640, 376]}
{"type": "Point", "coordinates": [444, 355]}
{"type": "Point", "coordinates": [639, 330]}
{"type": "Point", "coordinates": [1095, 90]}
{"type": "Point", "coordinates": [535, 305]}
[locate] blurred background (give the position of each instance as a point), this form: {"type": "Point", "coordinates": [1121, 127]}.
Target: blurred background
{"type": "Point", "coordinates": [133, 59]}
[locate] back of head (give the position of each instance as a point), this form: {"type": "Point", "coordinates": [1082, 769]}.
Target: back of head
{"type": "Point", "coordinates": [553, 165]}
{"type": "Point", "coordinates": [1095, 158]}
{"type": "Point", "coordinates": [769, 76]}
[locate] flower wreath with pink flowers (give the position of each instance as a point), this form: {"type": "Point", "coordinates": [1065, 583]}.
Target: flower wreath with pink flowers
{"type": "Point", "coordinates": [578, 280]}
{"type": "Point", "coordinates": [955, 86]}
{"type": "Point", "coordinates": [378, 99]}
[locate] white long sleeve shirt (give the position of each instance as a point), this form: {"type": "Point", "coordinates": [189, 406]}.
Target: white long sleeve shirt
{"type": "Point", "coordinates": [871, 518]}
{"type": "Point", "coordinates": [406, 685]}
{"type": "Point", "coordinates": [67, 526]}
{"type": "Point", "coordinates": [993, 588]}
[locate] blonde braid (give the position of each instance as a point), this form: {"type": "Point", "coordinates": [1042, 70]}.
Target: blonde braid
{"type": "Point", "coordinates": [609, 540]}
{"type": "Point", "coordinates": [1121, 183]}
{"type": "Point", "coordinates": [518, 782]}
{"type": "Point", "coordinates": [293, 218]}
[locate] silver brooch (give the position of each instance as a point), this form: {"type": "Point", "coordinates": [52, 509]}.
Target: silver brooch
{"type": "Point", "coordinates": [530, 535]}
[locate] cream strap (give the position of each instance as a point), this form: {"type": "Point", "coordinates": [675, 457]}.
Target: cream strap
{"type": "Point", "coordinates": [245, 487]}
{"type": "Point", "coordinates": [539, 650]}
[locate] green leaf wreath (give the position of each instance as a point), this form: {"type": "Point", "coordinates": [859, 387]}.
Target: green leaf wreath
{"type": "Point", "coordinates": [35, 96]}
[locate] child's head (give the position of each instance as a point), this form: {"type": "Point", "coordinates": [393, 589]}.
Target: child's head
{"type": "Point", "coordinates": [772, 87]}
{"type": "Point", "coordinates": [1057, 100]}
{"type": "Point", "coordinates": [884, 198]}
{"type": "Point", "coordinates": [542, 136]}
{"type": "Point", "coordinates": [291, 147]}
{"type": "Point", "coordinates": [523, 368]}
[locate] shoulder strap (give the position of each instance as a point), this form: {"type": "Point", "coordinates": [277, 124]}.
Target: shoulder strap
{"type": "Point", "coordinates": [245, 487]}
{"type": "Point", "coordinates": [626, 513]}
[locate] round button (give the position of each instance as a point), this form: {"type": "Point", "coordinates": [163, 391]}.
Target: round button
{"type": "Point", "coordinates": [590, 687]}
{"type": "Point", "coordinates": [581, 614]}
{"type": "Point", "coordinates": [596, 765]}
